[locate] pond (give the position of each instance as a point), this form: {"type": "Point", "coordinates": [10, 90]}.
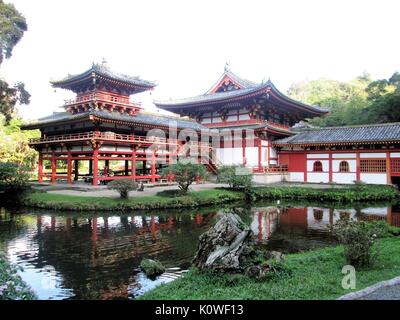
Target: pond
{"type": "Point", "coordinates": [96, 256]}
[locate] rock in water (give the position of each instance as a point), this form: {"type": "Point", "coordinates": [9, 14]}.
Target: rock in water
{"type": "Point", "coordinates": [151, 267]}
{"type": "Point", "coordinates": [224, 244]}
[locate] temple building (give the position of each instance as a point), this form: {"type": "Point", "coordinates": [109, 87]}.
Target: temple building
{"type": "Point", "coordinates": [236, 121]}
{"type": "Point", "coordinates": [259, 129]}
{"type": "Point", "coordinates": [102, 125]}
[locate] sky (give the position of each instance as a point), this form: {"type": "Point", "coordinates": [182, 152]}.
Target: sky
{"type": "Point", "coordinates": [184, 45]}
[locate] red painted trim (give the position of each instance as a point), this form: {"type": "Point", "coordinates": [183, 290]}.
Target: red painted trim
{"type": "Point", "coordinates": [40, 168]}
{"type": "Point", "coordinates": [330, 168]}
{"type": "Point", "coordinates": [69, 175]}
{"type": "Point", "coordinates": [53, 169]}
{"type": "Point", "coordinates": [95, 166]}
{"type": "Point", "coordinates": [388, 170]}
{"type": "Point", "coordinates": [358, 171]}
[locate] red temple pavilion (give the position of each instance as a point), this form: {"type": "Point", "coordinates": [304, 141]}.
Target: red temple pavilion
{"type": "Point", "coordinates": [103, 125]}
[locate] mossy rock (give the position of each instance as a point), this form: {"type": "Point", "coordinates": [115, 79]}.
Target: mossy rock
{"type": "Point", "coordinates": [151, 267]}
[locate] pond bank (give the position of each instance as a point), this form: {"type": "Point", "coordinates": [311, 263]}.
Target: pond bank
{"type": "Point", "coordinates": [314, 275]}
{"type": "Point", "coordinates": [12, 287]}
{"type": "Point", "coordinates": [169, 199]}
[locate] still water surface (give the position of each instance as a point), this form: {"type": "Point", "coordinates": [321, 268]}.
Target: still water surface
{"type": "Point", "coordinates": [96, 256]}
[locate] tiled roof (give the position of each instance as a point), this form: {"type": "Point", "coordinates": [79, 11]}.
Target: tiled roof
{"type": "Point", "coordinates": [104, 71]}
{"type": "Point", "coordinates": [218, 97]}
{"type": "Point", "coordinates": [244, 83]}
{"type": "Point", "coordinates": [388, 132]}
{"type": "Point", "coordinates": [140, 118]}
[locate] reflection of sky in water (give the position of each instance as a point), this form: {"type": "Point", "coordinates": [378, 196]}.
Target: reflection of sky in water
{"type": "Point", "coordinates": [100, 264]}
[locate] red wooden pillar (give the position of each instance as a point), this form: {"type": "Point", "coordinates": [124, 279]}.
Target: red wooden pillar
{"type": "Point", "coordinates": [69, 170]}
{"type": "Point", "coordinates": [358, 174]}
{"type": "Point", "coordinates": [40, 167]}
{"type": "Point", "coordinates": [53, 168]}
{"type": "Point", "coordinates": [153, 166]}
{"type": "Point", "coordinates": [95, 166]}
{"type": "Point", "coordinates": [259, 153]}
{"type": "Point", "coordinates": [330, 168]}
{"type": "Point", "coordinates": [133, 172]}
{"type": "Point", "coordinates": [388, 169]}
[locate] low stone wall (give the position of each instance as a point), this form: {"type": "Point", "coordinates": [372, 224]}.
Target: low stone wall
{"type": "Point", "coordinates": [267, 178]}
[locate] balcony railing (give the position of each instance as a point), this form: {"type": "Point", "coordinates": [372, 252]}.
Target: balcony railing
{"type": "Point", "coordinates": [101, 97]}
{"type": "Point", "coordinates": [111, 136]}
{"type": "Point", "coordinates": [272, 169]}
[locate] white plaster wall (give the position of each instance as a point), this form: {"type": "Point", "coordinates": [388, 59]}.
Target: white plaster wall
{"type": "Point", "coordinates": [206, 120]}
{"type": "Point", "coordinates": [273, 153]}
{"type": "Point", "coordinates": [395, 155]}
{"type": "Point", "coordinates": [269, 178]}
{"type": "Point", "coordinates": [373, 155]}
{"type": "Point", "coordinates": [318, 155]}
{"type": "Point", "coordinates": [296, 176]}
{"type": "Point", "coordinates": [340, 177]}
{"type": "Point", "coordinates": [231, 118]}
{"type": "Point", "coordinates": [343, 155]}
{"type": "Point", "coordinates": [87, 148]}
{"type": "Point", "coordinates": [123, 148]}
{"type": "Point", "coordinates": [374, 178]}
{"type": "Point", "coordinates": [352, 165]}
{"type": "Point", "coordinates": [217, 119]}
{"type": "Point", "coordinates": [229, 156]}
{"type": "Point", "coordinates": [244, 117]}
{"type": "Point", "coordinates": [318, 177]}
{"type": "Point", "coordinates": [252, 156]}
{"type": "Point", "coordinates": [325, 165]}
{"type": "Point", "coordinates": [107, 148]}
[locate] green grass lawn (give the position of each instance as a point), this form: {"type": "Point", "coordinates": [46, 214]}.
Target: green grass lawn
{"type": "Point", "coordinates": [315, 275]}
{"type": "Point", "coordinates": [81, 203]}
{"type": "Point", "coordinates": [209, 197]}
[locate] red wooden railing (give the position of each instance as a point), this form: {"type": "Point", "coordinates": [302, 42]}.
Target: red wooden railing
{"type": "Point", "coordinates": [271, 169]}
{"type": "Point", "coordinates": [111, 136]}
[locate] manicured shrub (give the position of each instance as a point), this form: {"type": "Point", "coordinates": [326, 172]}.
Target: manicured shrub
{"type": "Point", "coordinates": [358, 238]}
{"type": "Point", "coordinates": [13, 177]}
{"type": "Point", "coordinates": [237, 177]}
{"type": "Point", "coordinates": [151, 267]}
{"type": "Point", "coordinates": [123, 186]}
{"type": "Point", "coordinates": [185, 173]}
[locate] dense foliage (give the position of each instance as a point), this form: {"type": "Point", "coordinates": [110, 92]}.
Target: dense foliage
{"type": "Point", "coordinates": [12, 287]}
{"type": "Point", "coordinates": [359, 238]}
{"type": "Point", "coordinates": [237, 177]}
{"type": "Point", "coordinates": [12, 28]}
{"type": "Point", "coordinates": [13, 176]}
{"type": "Point", "coordinates": [123, 186]}
{"type": "Point", "coordinates": [14, 145]}
{"type": "Point", "coordinates": [359, 101]}
{"type": "Point", "coordinates": [185, 173]}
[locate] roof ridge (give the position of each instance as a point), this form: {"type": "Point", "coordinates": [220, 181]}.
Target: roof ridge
{"type": "Point", "coordinates": [351, 126]}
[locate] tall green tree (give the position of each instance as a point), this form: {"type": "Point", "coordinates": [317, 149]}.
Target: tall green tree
{"type": "Point", "coordinates": [347, 101]}
{"type": "Point", "coordinates": [12, 28]}
{"type": "Point", "coordinates": [384, 99]}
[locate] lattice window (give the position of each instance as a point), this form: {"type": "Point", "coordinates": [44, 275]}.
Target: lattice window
{"type": "Point", "coordinates": [395, 165]}
{"type": "Point", "coordinates": [372, 165]}
{"type": "Point", "coordinates": [343, 166]}
{"type": "Point", "coordinates": [317, 166]}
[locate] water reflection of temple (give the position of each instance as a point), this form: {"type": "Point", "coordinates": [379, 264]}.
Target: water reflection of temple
{"type": "Point", "coordinates": [268, 220]}
{"type": "Point", "coordinates": [96, 256]}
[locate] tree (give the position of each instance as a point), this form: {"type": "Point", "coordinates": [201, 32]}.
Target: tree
{"type": "Point", "coordinates": [14, 145]}
{"type": "Point", "coordinates": [13, 177]}
{"type": "Point", "coordinates": [123, 186]}
{"type": "Point", "coordinates": [384, 98]}
{"type": "Point", "coordinates": [185, 173]}
{"type": "Point", "coordinates": [12, 28]}
{"type": "Point", "coordinates": [236, 177]}
{"type": "Point", "coordinates": [347, 101]}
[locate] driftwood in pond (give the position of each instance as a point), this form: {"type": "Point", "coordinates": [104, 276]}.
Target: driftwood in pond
{"type": "Point", "coordinates": [224, 245]}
